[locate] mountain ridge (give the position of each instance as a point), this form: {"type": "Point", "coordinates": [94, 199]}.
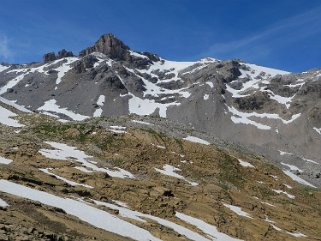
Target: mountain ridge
{"type": "Point", "coordinates": [257, 107]}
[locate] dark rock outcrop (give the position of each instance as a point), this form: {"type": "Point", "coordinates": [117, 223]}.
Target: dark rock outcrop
{"type": "Point", "coordinates": [49, 57]}
{"type": "Point", "coordinates": [64, 54]}
{"type": "Point", "coordinates": [52, 56]}
{"type": "Point", "coordinates": [109, 45]}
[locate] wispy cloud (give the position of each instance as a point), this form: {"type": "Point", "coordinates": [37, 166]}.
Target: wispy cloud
{"type": "Point", "coordinates": [4, 48]}
{"type": "Point", "coordinates": [287, 31]}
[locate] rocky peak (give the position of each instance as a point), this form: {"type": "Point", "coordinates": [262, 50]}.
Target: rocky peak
{"type": "Point", "coordinates": [109, 45]}
{"type": "Point", "coordinates": [53, 56]}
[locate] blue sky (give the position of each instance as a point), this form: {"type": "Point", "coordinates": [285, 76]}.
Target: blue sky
{"type": "Point", "coordinates": [284, 34]}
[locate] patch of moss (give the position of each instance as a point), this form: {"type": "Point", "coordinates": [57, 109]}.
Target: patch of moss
{"type": "Point", "coordinates": [230, 172]}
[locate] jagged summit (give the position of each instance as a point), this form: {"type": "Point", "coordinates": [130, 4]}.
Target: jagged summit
{"type": "Point", "coordinates": [53, 56]}
{"type": "Point", "coordinates": [112, 47]}
{"type": "Point", "coordinates": [109, 45]}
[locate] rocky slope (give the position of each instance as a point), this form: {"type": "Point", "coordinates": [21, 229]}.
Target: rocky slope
{"type": "Point", "coordinates": [130, 178]}
{"type": "Point", "coordinates": [271, 112]}
{"type": "Point", "coordinates": [115, 144]}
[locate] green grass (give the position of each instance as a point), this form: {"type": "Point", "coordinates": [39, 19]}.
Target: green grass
{"type": "Point", "coordinates": [230, 172]}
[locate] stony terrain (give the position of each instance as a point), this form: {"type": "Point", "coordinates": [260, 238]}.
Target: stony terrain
{"type": "Point", "coordinates": [135, 171]}
{"type": "Point", "coordinates": [271, 112]}
{"type": "Point", "coordinates": [115, 144]}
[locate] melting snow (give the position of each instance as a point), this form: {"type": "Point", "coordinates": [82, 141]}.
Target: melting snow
{"type": "Point", "coordinates": [269, 204]}
{"type": "Point", "coordinates": [282, 153]}
{"type": "Point", "coordinates": [6, 118]}
{"type": "Point", "coordinates": [135, 54]}
{"type": "Point", "coordinates": [3, 68]}
{"type": "Point", "coordinates": [100, 103]}
{"type": "Point", "coordinates": [5, 161]}
{"type": "Point", "coordinates": [11, 83]}
{"type": "Point", "coordinates": [3, 204]}
{"type": "Point", "coordinates": [51, 106]}
{"type": "Point", "coordinates": [147, 106]}
{"type": "Point", "coordinates": [245, 164]}
{"type": "Point", "coordinates": [317, 130]}
{"type": "Point", "coordinates": [196, 140]}
{"type": "Point", "coordinates": [169, 170]}
{"type": "Point", "coordinates": [83, 169]}
{"type": "Point", "coordinates": [71, 183]}
{"type": "Point", "coordinates": [83, 211]}
{"type": "Point", "coordinates": [117, 129]}
{"type": "Point", "coordinates": [137, 216]}
{"type": "Point", "coordinates": [309, 160]}
{"type": "Point", "coordinates": [210, 230]}
{"type": "Point", "coordinates": [210, 84]}
{"type": "Point", "coordinates": [288, 186]}
{"type": "Point", "coordinates": [297, 234]}
{"type": "Point", "coordinates": [14, 105]}
{"type": "Point", "coordinates": [292, 167]}
{"type": "Point", "coordinates": [64, 68]}
{"type": "Point", "coordinates": [255, 70]}
{"type": "Point", "coordinates": [141, 122]}
{"type": "Point", "coordinates": [158, 146]}
{"type": "Point", "coordinates": [239, 117]}
{"type": "Point", "coordinates": [298, 179]}
{"type": "Point", "coordinates": [285, 193]}
{"type": "Point", "coordinates": [237, 210]}
{"type": "Point", "coordinates": [280, 99]}
{"type": "Point", "coordinates": [65, 152]}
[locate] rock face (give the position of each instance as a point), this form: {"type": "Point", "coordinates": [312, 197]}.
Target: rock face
{"type": "Point", "coordinates": [49, 57]}
{"type": "Point", "coordinates": [110, 46]}
{"type": "Point", "coordinates": [268, 111]}
{"type": "Point", "coordinates": [61, 54]}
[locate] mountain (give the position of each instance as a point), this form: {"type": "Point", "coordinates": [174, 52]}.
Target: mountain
{"type": "Point", "coordinates": [269, 111]}
{"type": "Point", "coordinates": [115, 144]}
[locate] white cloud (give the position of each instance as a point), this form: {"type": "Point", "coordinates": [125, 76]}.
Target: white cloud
{"type": "Point", "coordinates": [286, 31]}
{"type": "Point", "coordinates": [4, 48]}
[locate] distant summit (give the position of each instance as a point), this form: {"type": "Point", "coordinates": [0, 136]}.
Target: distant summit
{"type": "Point", "coordinates": [109, 45]}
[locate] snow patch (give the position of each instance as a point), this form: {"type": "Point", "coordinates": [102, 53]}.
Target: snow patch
{"type": "Point", "coordinates": [283, 153]}
{"type": "Point", "coordinates": [138, 55]}
{"type": "Point", "coordinates": [239, 117]}
{"type": "Point", "coordinates": [11, 83]}
{"type": "Point", "coordinates": [237, 210]}
{"type": "Point", "coordinates": [117, 129]}
{"type": "Point", "coordinates": [210, 230]}
{"type": "Point", "coordinates": [100, 103]}
{"type": "Point", "coordinates": [138, 216]}
{"type": "Point", "coordinates": [285, 193]}
{"type": "Point", "coordinates": [142, 122]}
{"type": "Point", "coordinates": [318, 130]}
{"type": "Point", "coordinates": [3, 68]}
{"type": "Point", "coordinates": [147, 106]}
{"type": "Point", "coordinates": [3, 204]}
{"type": "Point", "coordinates": [14, 105]}
{"type": "Point", "coordinates": [196, 140]}
{"type": "Point", "coordinates": [5, 161]}
{"type": "Point", "coordinates": [292, 167]}
{"type": "Point", "coordinates": [94, 216]}
{"type": "Point", "coordinates": [298, 179]}
{"type": "Point", "coordinates": [65, 152]}
{"type": "Point", "coordinates": [244, 163]}
{"type": "Point", "coordinates": [309, 160]}
{"type": "Point", "coordinates": [6, 118]}
{"type": "Point", "coordinates": [64, 68]}
{"type": "Point", "coordinates": [51, 106]}
{"type": "Point", "coordinates": [169, 170]}
{"type": "Point", "coordinates": [71, 183]}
